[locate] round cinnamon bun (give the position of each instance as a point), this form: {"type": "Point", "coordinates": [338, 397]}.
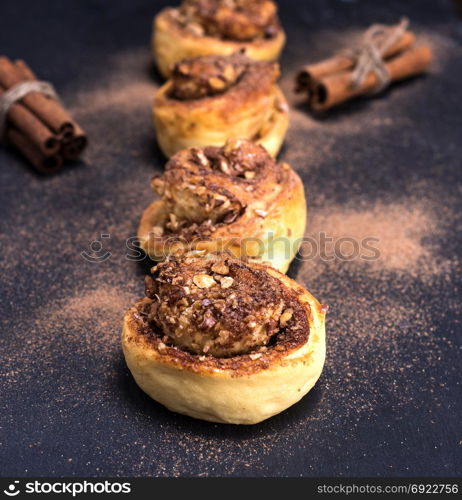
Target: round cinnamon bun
{"type": "Point", "coordinates": [214, 98]}
{"type": "Point", "coordinates": [224, 340]}
{"type": "Point", "coordinates": [220, 27]}
{"type": "Point", "coordinates": [234, 198]}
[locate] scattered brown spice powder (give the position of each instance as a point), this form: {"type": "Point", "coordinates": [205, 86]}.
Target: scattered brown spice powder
{"type": "Point", "coordinates": [396, 232]}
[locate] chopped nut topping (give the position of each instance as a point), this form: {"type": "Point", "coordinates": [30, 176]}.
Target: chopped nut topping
{"type": "Point", "coordinates": [237, 20]}
{"type": "Point", "coordinates": [230, 309]}
{"type": "Point", "coordinates": [209, 320]}
{"type": "Point", "coordinates": [204, 281]}
{"type": "Point", "coordinates": [224, 167]}
{"type": "Point", "coordinates": [183, 69]}
{"type": "Point", "coordinates": [200, 157]}
{"type": "Point", "coordinates": [232, 144]}
{"type": "Point", "coordinates": [198, 252]}
{"type": "Point", "coordinates": [157, 231]}
{"type": "Point", "coordinates": [229, 73]}
{"type": "Point", "coordinates": [226, 282]}
{"type": "Point", "coordinates": [222, 202]}
{"type": "Point", "coordinates": [261, 213]}
{"type": "Point", "coordinates": [201, 200]}
{"type": "Point", "coordinates": [153, 310]}
{"type": "Point", "coordinates": [173, 224]}
{"type": "Point", "coordinates": [206, 76]}
{"type": "Point", "coordinates": [217, 83]}
{"type": "Point", "coordinates": [230, 217]}
{"type": "Point", "coordinates": [196, 29]}
{"type": "Point", "coordinates": [286, 316]}
{"type": "Point", "coordinates": [255, 356]}
{"type": "Point", "coordinates": [220, 268]}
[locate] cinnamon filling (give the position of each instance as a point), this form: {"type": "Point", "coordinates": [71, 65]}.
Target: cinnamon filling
{"type": "Point", "coordinates": [240, 20]}
{"type": "Point", "coordinates": [206, 188]}
{"type": "Point", "coordinates": [217, 306]}
{"type": "Point", "coordinates": [209, 76]}
{"type": "Point", "coordinates": [206, 76]}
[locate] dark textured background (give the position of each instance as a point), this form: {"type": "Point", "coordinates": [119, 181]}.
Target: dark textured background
{"type": "Point", "coordinates": [389, 400]}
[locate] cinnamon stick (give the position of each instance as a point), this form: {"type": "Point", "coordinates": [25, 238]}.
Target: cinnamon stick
{"type": "Point", "coordinates": [27, 123]}
{"type": "Point", "coordinates": [45, 108]}
{"type": "Point", "coordinates": [47, 164]}
{"type": "Point", "coordinates": [72, 149]}
{"type": "Point", "coordinates": [342, 62]}
{"type": "Point", "coordinates": [336, 88]}
{"type": "Point", "coordinates": [72, 136]}
{"type": "Point", "coordinates": [49, 110]}
{"type": "Point", "coordinates": [37, 125]}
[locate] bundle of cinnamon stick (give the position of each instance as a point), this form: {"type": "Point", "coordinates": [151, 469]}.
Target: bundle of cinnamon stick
{"type": "Point", "coordinates": [332, 81]}
{"type": "Point", "coordinates": [37, 125]}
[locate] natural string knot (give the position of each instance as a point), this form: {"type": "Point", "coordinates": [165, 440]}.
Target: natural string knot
{"type": "Point", "coordinates": [17, 92]}
{"type": "Point", "coordinates": [370, 56]}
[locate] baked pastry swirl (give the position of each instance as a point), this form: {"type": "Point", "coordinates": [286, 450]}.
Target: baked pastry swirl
{"type": "Point", "coordinates": [224, 340]}
{"type": "Point", "coordinates": [214, 98]}
{"type": "Point", "coordinates": [234, 198]}
{"type": "Point", "coordinates": [220, 27]}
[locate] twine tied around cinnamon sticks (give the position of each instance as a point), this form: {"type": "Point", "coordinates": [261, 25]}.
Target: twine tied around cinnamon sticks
{"type": "Point", "coordinates": [376, 41]}
{"type": "Point", "coordinates": [17, 92]}
{"type": "Point", "coordinates": [387, 54]}
{"type": "Point", "coordinates": [33, 120]}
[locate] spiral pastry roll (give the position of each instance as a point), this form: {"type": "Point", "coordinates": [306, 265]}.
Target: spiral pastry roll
{"type": "Point", "coordinates": [235, 198]}
{"type": "Point", "coordinates": [223, 340]}
{"type": "Point", "coordinates": [214, 98]}
{"type": "Point", "coordinates": [216, 27]}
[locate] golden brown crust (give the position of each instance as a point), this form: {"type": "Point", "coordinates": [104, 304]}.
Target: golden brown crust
{"type": "Point", "coordinates": [235, 198]}
{"type": "Point", "coordinates": [239, 388]}
{"type": "Point", "coordinates": [178, 35]}
{"type": "Point", "coordinates": [215, 98]}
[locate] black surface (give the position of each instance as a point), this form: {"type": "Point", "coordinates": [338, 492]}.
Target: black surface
{"type": "Point", "coordinates": [389, 400]}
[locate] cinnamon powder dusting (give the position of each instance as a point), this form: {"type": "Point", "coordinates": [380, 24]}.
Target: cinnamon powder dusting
{"type": "Point", "coordinates": [374, 238]}
{"type": "Point", "coordinates": [86, 323]}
